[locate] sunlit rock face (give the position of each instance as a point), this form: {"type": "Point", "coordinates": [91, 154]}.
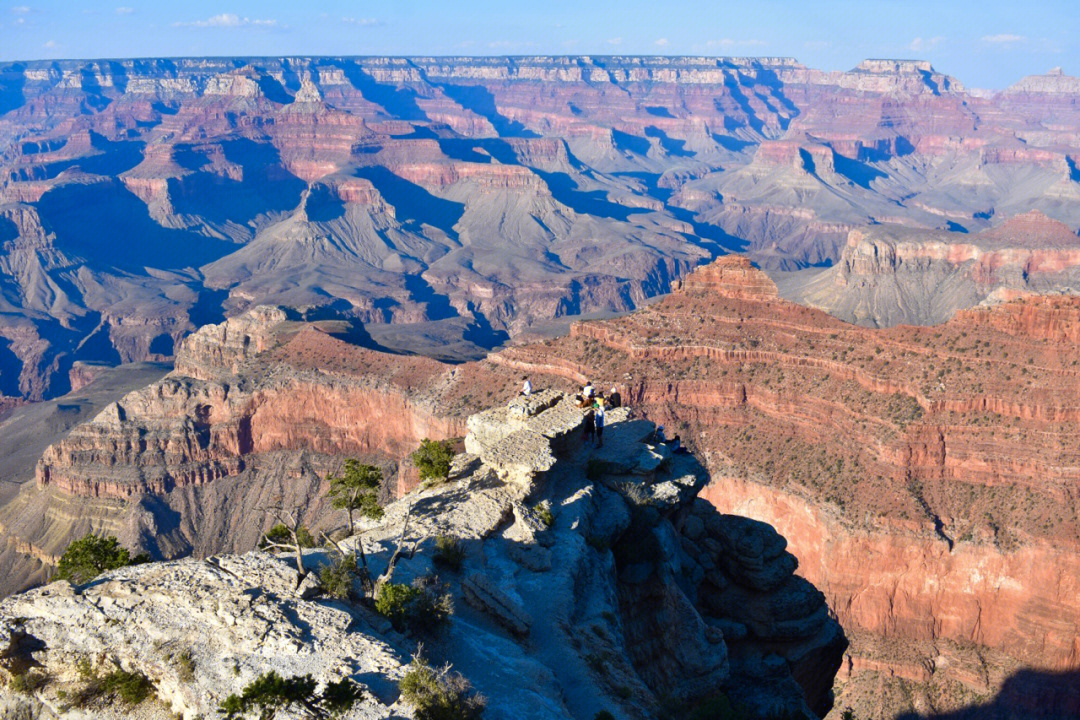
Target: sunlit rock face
{"type": "Point", "coordinates": [923, 476]}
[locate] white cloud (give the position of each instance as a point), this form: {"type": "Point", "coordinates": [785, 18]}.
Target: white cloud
{"type": "Point", "coordinates": [124, 10]}
{"type": "Point", "coordinates": [228, 20]}
{"type": "Point", "coordinates": [614, 41]}
{"type": "Point", "coordinates": [363, 22]}
{"type": "Point", "coordinates": [1004, 39]}
{"type": "Point", "coordinates": [662, 42]}
{"type": "Point", "coordinates": [49, 45]}
{"type": "Point", "coordinates": [21, 9]}
{"type": "Point", "coordinates": [816, 44]}
{"type": "Point", "coordinates": [920, 44]}
{"type": "Point", "coordinates": [731, 42]}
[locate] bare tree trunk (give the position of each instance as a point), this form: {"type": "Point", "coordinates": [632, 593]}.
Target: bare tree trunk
{"type": "Point", "coordinates": [386, 576]}
{"type": "Point", "coordinates": [299, 558]}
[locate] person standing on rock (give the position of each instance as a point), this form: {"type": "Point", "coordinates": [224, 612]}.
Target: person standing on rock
{"type": "Point", "coordinates": [590, 425]}
{"type": "Point", "coordinates": [526, 386]}
{"type": "Point", "coordinates": [588, 391]}
{"type": "Point", "coordinates": [599, 422]}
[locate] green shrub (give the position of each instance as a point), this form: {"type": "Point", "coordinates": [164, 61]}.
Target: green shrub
{"type": "Point", "coordinates": [185, 665]}
{"type": "Point", "coordinates": [280, 534]}
{"type": "Point", "coordinates": [717, 707]}
{"type": "Point", "coordinates": [91, 555]}
{"type": "Point", "coordinates": [27, 682]}
{"type": "Point", "coordinates": [449, 552]}
{"type": "Point", "coordinates": [270, 692]}
{"type": "Point", "coordinates": [442, 695]}
{"type": "Point", "coordinates": [543, 510]}
{"type": "Point", "coordinates": [422, 607]}
{"type": "Point", "coordinates": [336, 579]}
{"type": "Point", "coordinates": [432, 459]}
{"type": "Point", "coordinates": [131, 687]}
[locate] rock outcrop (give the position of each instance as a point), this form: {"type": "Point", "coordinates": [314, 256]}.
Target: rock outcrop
{"type": "Point", "coordinates": [630, 599]}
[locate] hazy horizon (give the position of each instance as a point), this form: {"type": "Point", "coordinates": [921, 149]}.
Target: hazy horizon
{"type": "Point", "coordinates": [984, 45]}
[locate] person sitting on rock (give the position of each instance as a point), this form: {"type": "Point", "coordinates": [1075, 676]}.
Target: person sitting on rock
{"type": "Point", "coordinates": [590, 425]}
{"type": "Point", "coordinates": [526, 386]}
{"type": "Point", "coordinates": [614, 398]}
{"type": "Point", "coordinates": [599, 422]}
{"type": "Point", "coordinates": [588, 391]}
{"type": "Point", "coordinates": [658, 435]}
{"type": "Point", "coordinates": [676, 444]}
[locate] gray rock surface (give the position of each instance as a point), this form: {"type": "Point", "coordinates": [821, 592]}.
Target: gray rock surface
{"type": "Point", "coordinates": [576, 593]}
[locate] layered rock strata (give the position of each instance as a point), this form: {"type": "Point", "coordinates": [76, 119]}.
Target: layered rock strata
{"type": "Point", "coordinates": [471, 199]}
{"type": "Point", "coordinates": [925, 476]}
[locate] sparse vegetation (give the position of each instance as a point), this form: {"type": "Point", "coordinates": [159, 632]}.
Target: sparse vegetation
{"type": "Point", "coordinates": [543, 510]}
{"type": "Point", "coordinates": [449, 552]}
{"type": "Point", "coordinates": [26, 683]}
{"type": "Point", "coordinates": [336, 579]}
{"type": "Point", "coordinates": [423, 607]}
{"type": "Point", "coordinates": [440, 694]}
{"type": "Point", "coordinates": [280, 534]}
{"type": "Point", "coordinates": [185, 665]}
{"type": "Point", "coordinates": [357, 490]}
{"type": "Point", "coordinates": [270, 693]}
{"type": "Point", "coordinates": [288, 535]}
{"type": "Point", "coordinates": [131, 688]}
{"type": "Point", "coordinates": [432, 459]}
{"type": "Point", "coordinates": [717, 707]}
{"type": "Point", "coordinates": [91, 555]}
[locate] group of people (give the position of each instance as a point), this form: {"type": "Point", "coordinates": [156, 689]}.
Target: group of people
{"type": "Point", "coordinates": [594, 404]}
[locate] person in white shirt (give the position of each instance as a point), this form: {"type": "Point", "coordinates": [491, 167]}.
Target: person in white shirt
{"type": "Point", "coordinates": [588, 391]}
{"type": "Point", "coordinates": [526, 386]}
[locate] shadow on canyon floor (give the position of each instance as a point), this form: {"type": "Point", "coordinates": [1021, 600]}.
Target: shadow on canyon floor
{"type": "Point", "coordinates": [1026, 695]}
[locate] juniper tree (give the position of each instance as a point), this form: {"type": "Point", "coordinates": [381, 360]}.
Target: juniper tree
{"type": "Point", "coordinates": [91, 555]}
{"type": "Point", "coordinates": [433, 458]}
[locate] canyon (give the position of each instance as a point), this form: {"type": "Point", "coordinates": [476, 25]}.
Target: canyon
{"type": "Point", "coordinates": [851, 294]}
{"type": "Point", "coordinates": [924, 476]}
{"type": "Point", "coordinates": [449, 204]}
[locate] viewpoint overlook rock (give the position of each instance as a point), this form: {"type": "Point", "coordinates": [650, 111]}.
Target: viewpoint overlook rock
{"type": "Point", "coordinates": [453, 202]}
{"type": "Point", "coordinates": [925, 477]}
{"type": "Point", "coordinates": [636, 596]}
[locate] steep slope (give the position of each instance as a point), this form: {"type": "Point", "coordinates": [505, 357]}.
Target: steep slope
{"type": "Point", "coordinates": [889, 275]}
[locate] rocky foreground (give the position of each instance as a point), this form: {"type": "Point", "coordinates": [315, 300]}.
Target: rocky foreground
{"type": "Point", "coordinates": [925, 477]}
{"type": "Point", "coordinates": [635, 596]}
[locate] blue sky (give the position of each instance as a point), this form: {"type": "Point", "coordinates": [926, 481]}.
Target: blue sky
{"type": "Point", "coordinates": [984, 44]}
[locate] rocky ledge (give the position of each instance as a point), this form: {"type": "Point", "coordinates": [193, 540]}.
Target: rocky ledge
{"type": "Point", "coordinates": [593, 579]}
